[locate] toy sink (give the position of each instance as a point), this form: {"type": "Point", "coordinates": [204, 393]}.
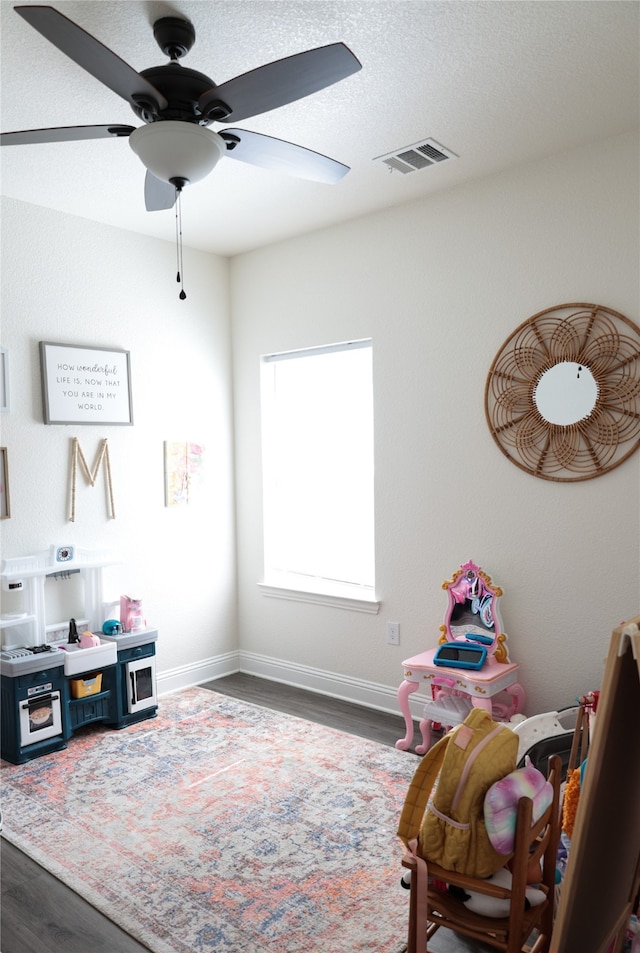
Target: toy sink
{"type": "Point", "coordinates": [77, 660]}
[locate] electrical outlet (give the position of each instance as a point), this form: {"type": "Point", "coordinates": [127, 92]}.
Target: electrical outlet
{"type": "Point", "coordinates": [393, 633]}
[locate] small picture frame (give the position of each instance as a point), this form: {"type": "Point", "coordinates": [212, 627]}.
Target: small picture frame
{"type": "Point", "coordinates": [85, 385]}
{"type": "Point", "coordinates": [4, 380]}
{"type": "Point", "coordinates": [5, 507]}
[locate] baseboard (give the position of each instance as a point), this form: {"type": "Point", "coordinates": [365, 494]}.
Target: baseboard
{"type": "Point", "coordinates": [197, 673]}
{"type": "Point", "coordinates": [355, 690]}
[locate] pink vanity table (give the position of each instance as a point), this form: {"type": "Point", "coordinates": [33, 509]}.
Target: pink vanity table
{"type": "Point", "coordinates": [471, 615]}
{"type": "Point", "coordinates": [475, 688]}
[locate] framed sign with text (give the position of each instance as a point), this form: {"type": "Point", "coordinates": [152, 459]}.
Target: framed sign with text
{"type": "Point", "coordinates": [85, 385]}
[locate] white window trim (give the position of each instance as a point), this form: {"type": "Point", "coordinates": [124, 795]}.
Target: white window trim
{"type": "Point", "coordinates": [322, 349]}
{"type": "Point", "coordinates": [361, 600]}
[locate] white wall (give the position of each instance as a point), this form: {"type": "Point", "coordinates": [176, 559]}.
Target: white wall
{"type": "Point", "coordinates": [72, 281]}
{"type": "Point", "coordinates": [439, 285]}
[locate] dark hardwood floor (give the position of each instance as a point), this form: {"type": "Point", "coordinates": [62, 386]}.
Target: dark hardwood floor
{"type": "Point", "coordinates": [42, 915]}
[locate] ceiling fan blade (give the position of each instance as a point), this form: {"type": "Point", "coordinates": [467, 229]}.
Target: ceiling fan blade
{"type": "Point", "coordinates": [27, 137]}
{"type": "Point", "coordinates": [281, 156]}
{"type": "Point", "coordinates": [158, 195]}
{"type": "Point", "coordinates": [278, 83]}
{"type": "Point", "coordinates": [97, 59]}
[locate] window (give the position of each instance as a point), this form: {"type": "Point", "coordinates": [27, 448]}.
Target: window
{"type": "Point", "coordinates": [317, 451]}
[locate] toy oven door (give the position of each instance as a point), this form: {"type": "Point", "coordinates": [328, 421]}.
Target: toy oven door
{"type": "Point", "coordinates": [40, 715]}
{"type": "Point", "coordinates": [141, 684]}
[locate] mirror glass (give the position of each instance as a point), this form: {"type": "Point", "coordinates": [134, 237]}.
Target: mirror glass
{"type": "Point", "coordinates": [566, 393]}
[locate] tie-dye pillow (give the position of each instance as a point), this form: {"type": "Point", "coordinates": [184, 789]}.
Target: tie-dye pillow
{"type": "Point", "coordinates": [501, 804]}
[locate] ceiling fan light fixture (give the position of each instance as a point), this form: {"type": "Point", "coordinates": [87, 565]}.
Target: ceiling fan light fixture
{"type": "Point", "coordinates": [171, 149]}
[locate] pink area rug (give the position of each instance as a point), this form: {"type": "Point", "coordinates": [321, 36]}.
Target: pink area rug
{"type": "Point", "coordinates": [222, 826]}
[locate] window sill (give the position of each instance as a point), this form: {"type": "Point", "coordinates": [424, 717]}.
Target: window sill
{"type": "Point", "coordinates": [339, 598]}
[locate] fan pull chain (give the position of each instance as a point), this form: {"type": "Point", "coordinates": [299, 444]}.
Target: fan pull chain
{"type": "Point", "coordinates": [179, 279]}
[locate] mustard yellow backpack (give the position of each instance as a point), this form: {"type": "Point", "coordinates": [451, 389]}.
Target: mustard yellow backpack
{"type": "Point", "coordinates": [462, 766]}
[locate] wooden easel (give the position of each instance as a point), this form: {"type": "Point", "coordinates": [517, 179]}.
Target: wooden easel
{"type": "Point", "coordinates": [601, 886]}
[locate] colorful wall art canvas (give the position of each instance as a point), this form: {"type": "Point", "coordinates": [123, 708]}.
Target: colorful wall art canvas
{"type": "Point", "coordinates": [183, 471]}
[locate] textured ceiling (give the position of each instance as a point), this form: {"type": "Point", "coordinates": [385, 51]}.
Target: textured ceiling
{"type": "Point", "coordinates": [497, 83]}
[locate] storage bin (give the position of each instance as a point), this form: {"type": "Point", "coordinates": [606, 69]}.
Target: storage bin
{"type": "Point", "coordinates": [85, 710]}
{"type": "Point", "coordinates": [84, 687]}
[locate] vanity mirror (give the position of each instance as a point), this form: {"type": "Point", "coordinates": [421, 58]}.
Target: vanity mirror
{"type": "Point", "coordinates": [562, 397]}
{"type": "Point", "coordinates": [472, 612]}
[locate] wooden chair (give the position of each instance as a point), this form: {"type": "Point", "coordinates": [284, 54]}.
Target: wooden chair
{"type": "Point", "coordinates": [534, 842]}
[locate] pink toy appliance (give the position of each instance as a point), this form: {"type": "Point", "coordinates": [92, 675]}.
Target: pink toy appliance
{"type": "Point", "coordinates": [131, 615]}
{"type": "Point", "coordinates": [88, 640]}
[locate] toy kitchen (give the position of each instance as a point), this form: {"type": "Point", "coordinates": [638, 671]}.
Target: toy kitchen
{"type": "Point", "coordinates": [64, 663]}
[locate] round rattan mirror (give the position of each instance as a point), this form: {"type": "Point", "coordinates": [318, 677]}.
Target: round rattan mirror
{"type": "Point", "coordinates": [562, 397]}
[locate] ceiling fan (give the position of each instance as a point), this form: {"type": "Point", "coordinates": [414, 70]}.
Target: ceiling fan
{"type": "Point", "coordinates": [177, 105]}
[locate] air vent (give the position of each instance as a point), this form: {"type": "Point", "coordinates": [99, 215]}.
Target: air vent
{"type": "Point", "coordinates": [420, 155]}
